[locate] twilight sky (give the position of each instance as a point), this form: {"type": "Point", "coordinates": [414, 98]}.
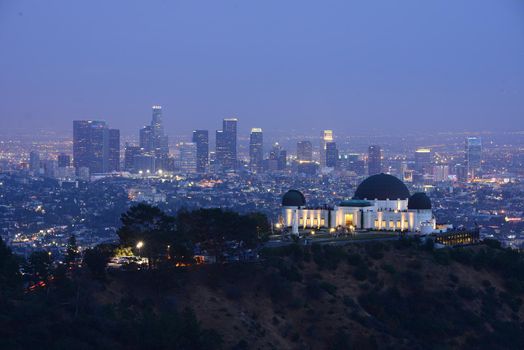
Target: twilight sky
{"type": "Point", "coordinates": [367, 66]}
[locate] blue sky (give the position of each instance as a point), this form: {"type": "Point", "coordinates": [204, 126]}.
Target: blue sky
{"type": "Point", "coordinates": [353, 66]}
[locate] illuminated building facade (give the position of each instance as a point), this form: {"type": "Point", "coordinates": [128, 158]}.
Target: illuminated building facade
{"type": "Point", "coordinates": [326, 137]}
{"type": "Point", "coordinates": [201, 139]}
{"type": "Point", "coordinates": [226, 144]}
{"type": "Point", "coordinates": [381, 202]}
{"type": "Point", "coordinates": [304, 151]}
{"type": "Point", "coordinates": [95, 146]}
{"type": "Point", "coordinates": [423, 161]}
{"type": "Point", "coordinates": [256, 149]}
{"type": "Point", "coordinates": [473, 156]}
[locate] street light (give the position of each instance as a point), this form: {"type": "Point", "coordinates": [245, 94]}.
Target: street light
{"type": "Point", "coordinates": [139, 245]}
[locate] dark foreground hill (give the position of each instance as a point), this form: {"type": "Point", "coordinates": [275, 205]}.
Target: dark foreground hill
{"type": "Point", "coordinates": [391, 295]}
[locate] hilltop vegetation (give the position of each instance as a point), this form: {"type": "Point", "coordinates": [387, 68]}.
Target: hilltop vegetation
{"type": "Point", "coordinates": [378, 295]}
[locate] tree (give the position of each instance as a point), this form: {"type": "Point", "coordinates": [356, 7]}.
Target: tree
{"type": "Point", "coordinates": [214, 228]}
{"type": "Point", "coordinates": [72, 252]}
{"type": "Point", "coordinates": [148, 229]}
{"type": "Point", "coordinates": [9, 268]}
{"type": "Point", "coordinates": [40, 263]}
{"type": "Point", "coordinates": [96, 260]}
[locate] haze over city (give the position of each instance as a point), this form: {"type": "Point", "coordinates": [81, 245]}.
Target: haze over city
{"type": "Point", "coordinates": [407, 66]}
{"type": "Point", "coordinates": [260, 174]}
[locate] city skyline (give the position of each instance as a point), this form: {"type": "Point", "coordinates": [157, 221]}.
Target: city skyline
{"type": "Point", "coordinates": [332, 67]}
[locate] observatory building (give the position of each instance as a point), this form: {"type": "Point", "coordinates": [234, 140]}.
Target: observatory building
{"type": "Point", "coordinates": [381, 202]}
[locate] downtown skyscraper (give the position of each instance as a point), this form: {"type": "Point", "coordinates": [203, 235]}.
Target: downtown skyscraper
{"type": "Point", "coordinates": [152, 137]}
{"type": "Point", "coordinates": [374, 160]}
{"type": "Point", "coordinates": [201, 139]}
{"type": "Point", "coordinates": [226, 145]}
{"type": "Point", "coordinates": [256, 149]}
{"type": "Point", "coordinates": [326, 137]}
{"type": "Point", "coordinates": [153, 140]}
{"type": "Point", "coordinates": [95, 146]}
{"type": "Point", "coordinates": [473, 156]}
{"type": "Point", "coordinates": [304, 151]}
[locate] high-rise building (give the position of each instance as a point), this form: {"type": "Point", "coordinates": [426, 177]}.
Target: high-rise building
{"type": "Point", "coordinates": [473, 157]}
{"type": "Point", "coordinates": [374, 160]}
{"type": "Point", "coordinates": [64, 160]}
{"type": "Point", "coordinates": [423, 161]}
{"type": "Point", "coordinates": [226, 144]}
{"type": "Point", "coordinates": [304, 151]}
{"type": "Point", "coordinates": [91, 145]}
{"type": "Point", "coordinates": [34, 161]}
{"type": "Point", "coordinates": [352, 162]}
{"type": "Point", "coordinates": [331, 155]}
{"type": "Point", "coordinates": [159, 139]}
{"type": "Point", "coordinates": [130, 155]}
{"type": "Point", "coordinates": [277, 158]}
{"type": "Point", "coordinates": [461, 172]}
{"type": "Point", "coordinates": [152, 137]}
{"type": "Point", "coordinates": [146, 139]}
{"type": "Point", "coordinates": [201, 139]}
{"type": "Point", "coordinates": [326, 137]}
{"type": "Point", "coordinates": [188, 157]}
{"type": "Point", "coordinates": [113, 161]}
{"type": "Point", "coordinates": [256, 149]}
{"type": "Point", "coordinates": [441, 173]}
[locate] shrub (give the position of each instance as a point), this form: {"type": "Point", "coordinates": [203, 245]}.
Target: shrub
{"type": "Point", "coordinates": [361, 272]}
{"type": "Point", "coordinates": [389, 268]}
{"type": "Point", "coordinates": [466, 292]}
{"type": "Point", "coordinates": [375, 250]}
{"type": "Point", "coordinates": [414, 264]}
{"type": "Point", "coordinates": [354, 259]}
{"type": "Point", "coordinates": [441, 257]}
{"type": "Point", "coordinates": [328, 287]}
{"type": "Point", "coordinates": [492, 243]}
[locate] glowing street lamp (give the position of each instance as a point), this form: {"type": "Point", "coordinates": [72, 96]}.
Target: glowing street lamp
{"type": "Point", "coordinates": [139, 245]}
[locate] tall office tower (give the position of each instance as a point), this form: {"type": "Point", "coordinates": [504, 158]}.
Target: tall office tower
{"type": "Point", "coordinates": [326, 136]}
{"type": "Point", "coordinates": [226, 144]}
{"type": "Point", "coordinates": [64, 160]}
{"type": "Point", "coordinates": [441, 173]}
{"type": "Point", "coordinates": [461, 172]}
{"type": "Point", "coordinates": [188, 157]}
{"type": "Point", "coordinates": [277, 158]}
{"type": "Point", "coordinates": [113, 153]}
{"type": "Point", "coordinates": [130, 155]}
{"type": "Point", "coordinates": [201, 139]}
{"type": "Point", "coordinates": [34, 161]}
{"type": "Point", "coordinates": [90, 145]}
{"type": "Point", "coordinates": [256, 149]}
{"type": "Point", "coordinates": [352, 162]}
{"type": "Point", "coordinates": [374, 160]}
{"type": "Point", "coordinates": [423, 161]}
{"type": "Point", "coordinates": [146, 139]}
{"type": "Point", "coordinates": [159, 139]}
{"type": "Point", "coordinates": [473, 156]}
{"type": "Point", "coordinates": [331, 155]}
{"type": "Point", "coordinates": [282, 159]}
{"type": "Point", "coordinates": [304, 151]}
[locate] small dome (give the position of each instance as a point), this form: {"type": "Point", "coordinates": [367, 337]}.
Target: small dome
{"type": "Point", "coordinates": [419, 201]}
{"type": "Point", "coordinates": [293, 198]}
{"type": "Point", "coordinates": [381, 187]}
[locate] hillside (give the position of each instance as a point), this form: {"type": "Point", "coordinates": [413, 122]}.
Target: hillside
{"type": "Point", "coordinates": [364, 296]}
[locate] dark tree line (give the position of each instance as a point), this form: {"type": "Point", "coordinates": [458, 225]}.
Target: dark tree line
{"type": "Point", "coordinates": [161, 237]}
